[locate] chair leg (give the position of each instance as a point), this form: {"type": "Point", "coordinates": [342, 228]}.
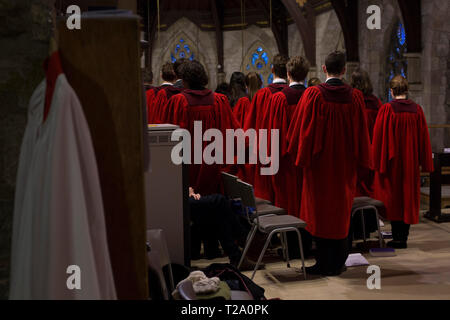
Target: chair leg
{"type": "Point", "coordinates": [363, 226]}
{"type": "Point", "coordinates": [269, 237]}
{"type": "Point", "coordinates": [247, 245]}
{"type": "Point", "coordinates": [300, 243]}
{"type": "Point", "coordinates": [284, 235]}
{"type": "Point", "coordinates": [283, 247]}
{"type": "Point", "coordinates": [380, 237]}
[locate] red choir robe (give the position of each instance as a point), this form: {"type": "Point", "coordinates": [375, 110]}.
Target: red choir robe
{"type": "Point", "coordinates": [159, 102]}
{"type": "Point", "coordinates": [288, 181]}
{"type": "Point", "coordinates": [401, 145]}
{"type": "Point", "coordinates": [258, 118]}
{"type": "Point", "coordinates": [365, 176]}
{"type": "Point", "coordinates": [329, 138]}
{"type": "Point", "coordinates": [240, 110]}
{"type": "Point", "coordinates": [150, 97]}
{"type": "Point", "coordinates": [214, 111]}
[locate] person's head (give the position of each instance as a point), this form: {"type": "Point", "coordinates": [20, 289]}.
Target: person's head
{"type": "Point", "coordinates": [335, 64]}
{"type": "Point", "coordinates": [314, 82]}
{"type": "Point", "coordinates": [237, 87]}
{"type": "Point", "coordinates": [194, 75]}
{"type": "Point", "coordinates": [361, 81]}
{"type": "Point", "coordinates": [279, 66]}
{"type": "Point", "coordinates": [178, 67]}
{"type": "Point", "coordinates": [167, 73]}
{"type": "Point", "coordinates": [297, 69]}
{"type": "Point", "coordinates": [223, 88]}
{"type": "Point", "coordinates": [399, 87]}
{"type": "Point", "coordinates": [253, 83]}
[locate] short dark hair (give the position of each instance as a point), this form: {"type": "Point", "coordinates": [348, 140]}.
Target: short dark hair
{"type": "Point", "coordinates": [167, 72]}
{"type": "Point", "coordinates": [399, 85]}
{"type": "Point", "coordinates": [361, 81]}
{"type": "Point", "coordinates": [178, 67]}
{"type": "Point", "coordinates": [298, 68]}
{"type": "Point", "coordinates": [279, 65]}
{"type": "Point", "coordinates": [335, 63]}
{"type": "Point", "coordinates": [194, 75]}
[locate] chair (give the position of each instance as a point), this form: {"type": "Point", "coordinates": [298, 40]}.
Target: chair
{"type": "Point", "coordinates": [365, 205]}
{"type": "Point", "coordinates": [232, 188]}
{"type": "Point", "coordinates": [158, 258]}
{"type": "Point", "coordinates": [269, 224]}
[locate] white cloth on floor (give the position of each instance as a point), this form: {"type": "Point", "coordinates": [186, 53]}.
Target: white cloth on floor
{"type": "Point", "coordinates": [58, 214]}
{"type": "Point", "coordinates": [202, 284]}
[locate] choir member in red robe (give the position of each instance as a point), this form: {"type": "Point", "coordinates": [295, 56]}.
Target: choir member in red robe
{"type": "Point", "coordinates": [401, 146]}
{"type": "Point", "coordinates": [253, 83]}
{"type": "Point", "coordinates": [361, 81]}
{"type": "Point", "coordinates": [196, 103]}
{"type": "Point", "coordinates": [178, 68]}
{"type": "Point", "coordinates": [161, 100]}
{"type": "Point", "coordinates": [329, 138]}
{"type": "Point", "coordinates": [258, 118]}
{"type": "Point", "coordinates": [287, 182]}
{"type": "Point", "coordinates": [168, 76]}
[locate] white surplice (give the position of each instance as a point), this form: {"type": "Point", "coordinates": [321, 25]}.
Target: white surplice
{"type": "Point", "coordinates": [58, 214]}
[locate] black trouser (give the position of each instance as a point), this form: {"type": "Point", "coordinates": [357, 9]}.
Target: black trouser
{"type": "Point", "coordinates": [400, 231]}
{"type": "Point", "coordinates": [212, 216]}
{"type": "Point", "coordinates": [331, 255]}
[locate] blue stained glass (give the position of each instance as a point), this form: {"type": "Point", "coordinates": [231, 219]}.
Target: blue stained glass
{"type": "Point", "coordinates": [262, 79]}
{"type": "Point", "coordinates": [181, 40]}
{"type": "Point", "coordinates": [401, 34]}
{"type": "Point", "coordinates": [270, 79]}
{"type": "Point", "coordinates": [254, 58]}
{"type": "Point", "coordinates": [248, 67]}
{"type": "Point", "coordinates": [173, 58]}
{"type": "Point", "coordinates": [191, 57]}
{"type": "Point", "coordinates": [177, 48]}
{"type": "Point", "coordinates": [186, 47]}
{"type": "Point", "coordinates": [259, 65]}
{"type": "Point", "coordinates": [265, 57]}
{"type": "Point", "coordinates": [182, 54]}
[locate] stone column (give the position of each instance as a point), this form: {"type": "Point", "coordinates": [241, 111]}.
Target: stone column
{"type": "Point", "coordinates": [414, 76]}
{"type": "Point", "coordinates": [312, 72]}
{"type": "Point", "coordinates": [221, 77]}
{"type": "Point", "coordinates": [351, 67]}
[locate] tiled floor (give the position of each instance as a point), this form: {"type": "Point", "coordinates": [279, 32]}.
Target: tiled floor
{"type": "Point", "coordinates": [420, 272]}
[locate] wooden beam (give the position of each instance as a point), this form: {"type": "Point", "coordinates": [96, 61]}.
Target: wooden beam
{"type": "Point", "coordinates": [347, 12]}
{"type": "Point", "coordinates": [306, 27]}
{"type": "Point", "coordinates": [153, 29]}
{"type": "Point", "coordinates": [276, 28]}
{"type": "Point", "coordinates": [217, 8]}
{"type": "Point", "coordinates": [412, 18]}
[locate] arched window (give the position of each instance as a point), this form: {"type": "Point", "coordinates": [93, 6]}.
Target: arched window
{"type": "Point", "coordinates": [182, 50]}
{"type": "Point", "coordinates": [396, 61]}
{"type": "Point", "coordinates": [258, 60]}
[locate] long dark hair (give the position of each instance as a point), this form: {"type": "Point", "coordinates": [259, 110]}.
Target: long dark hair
{"type": "Point", "coordinates": [361, 81]}
{"type": "Point", "coordinates": [237, 87]}
{"type": "Point", "coordinates": [254, 83]}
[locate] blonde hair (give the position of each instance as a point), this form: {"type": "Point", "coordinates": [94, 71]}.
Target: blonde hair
{"type": "Point", "coordinates": [399, 86]}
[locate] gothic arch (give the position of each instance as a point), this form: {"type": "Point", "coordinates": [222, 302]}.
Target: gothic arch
{"type": "Point", "coordinates": [258, 59]}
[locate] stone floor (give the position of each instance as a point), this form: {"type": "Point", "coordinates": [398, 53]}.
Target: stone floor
{"type": "Point", "coordinates": [420, 272]}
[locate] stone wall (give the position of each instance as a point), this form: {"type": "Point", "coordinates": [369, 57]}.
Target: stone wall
{"type": "Point", "coordinates": [24, 34]}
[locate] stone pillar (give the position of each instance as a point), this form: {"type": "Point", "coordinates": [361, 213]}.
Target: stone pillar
{"type": "Point", "coordinates": [312, 72]}
{"type": "Point", "coordinates": [414, 76]}
{"type": "Point", "coordinates": [351, 67]}
{"type": "Point", "coordinates": [221, 77]}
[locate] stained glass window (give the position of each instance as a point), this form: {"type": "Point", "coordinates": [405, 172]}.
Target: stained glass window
{"type": "Point", "coordinates": [396, 61]}
{"type": "Point", "coordinates": [257, 60]}
{"type": "Point", "coordinates": [182, 50]}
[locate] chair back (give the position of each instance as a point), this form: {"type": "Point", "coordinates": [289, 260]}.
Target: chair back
{"type": "Point", "coordinates": [230, 185]}
{"type": "Point", "coordinates": [247, 196]}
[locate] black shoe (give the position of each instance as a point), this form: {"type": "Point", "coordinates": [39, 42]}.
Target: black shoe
{"type": "Point", "coordinates": [314, 270]}
{"type": "Point", "coordinates": [397, 244]}
{"type": "Point", "coordinates": [336, 273]}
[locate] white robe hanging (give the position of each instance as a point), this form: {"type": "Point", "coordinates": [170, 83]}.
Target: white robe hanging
{"type": "Point", "coordinates": [58, 214]}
